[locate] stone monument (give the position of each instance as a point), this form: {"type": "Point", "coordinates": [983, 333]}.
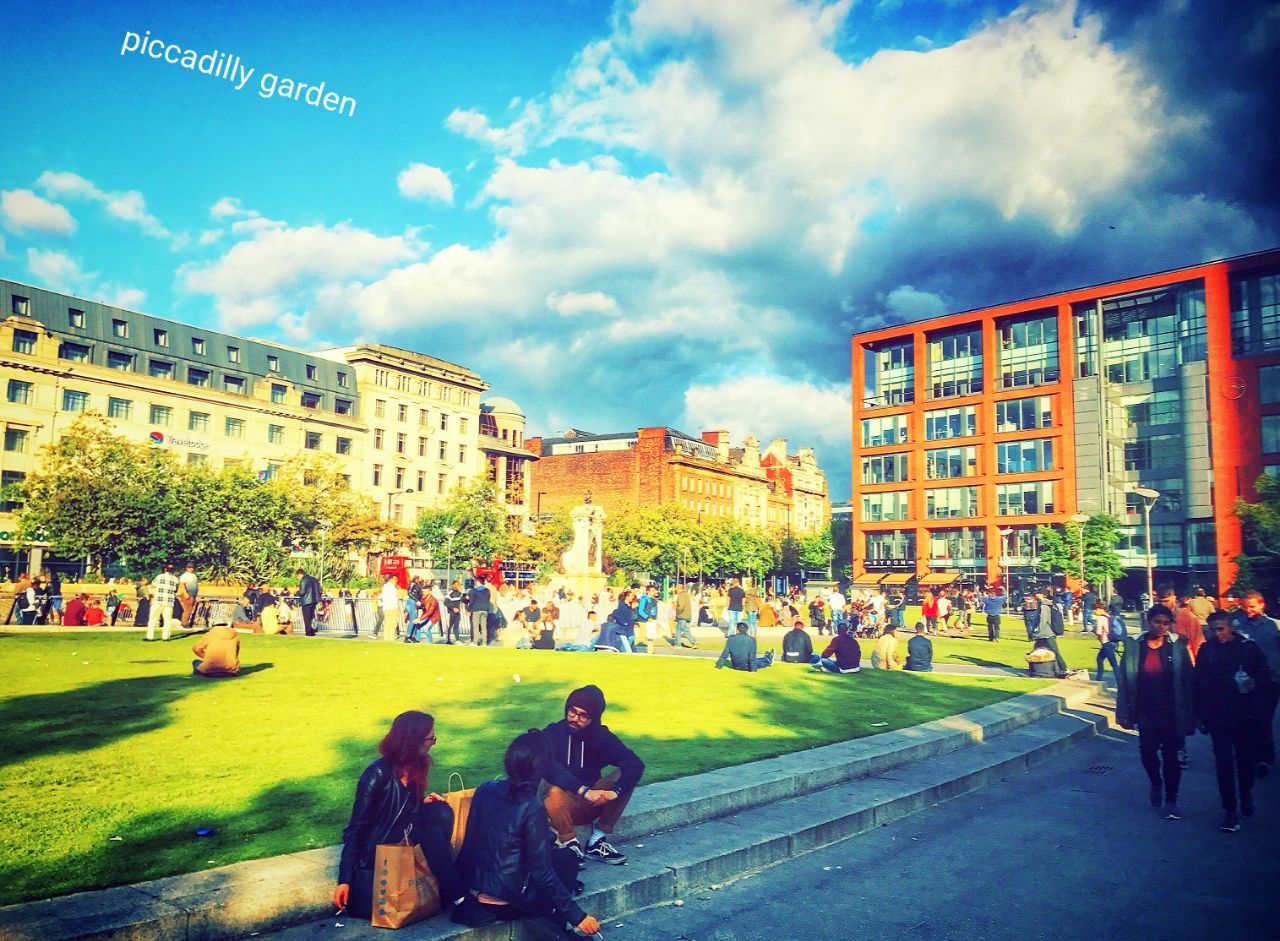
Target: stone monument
{"type": "Point", "coordinates": [583, 562]}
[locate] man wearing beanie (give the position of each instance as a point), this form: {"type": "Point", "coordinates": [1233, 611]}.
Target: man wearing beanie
{"type": "Point", "coordinates": [577, 794]}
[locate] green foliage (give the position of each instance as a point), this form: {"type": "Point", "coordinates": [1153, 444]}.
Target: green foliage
{"type": "Point", "coordinates": [1059, 547]}
{"type": "Point", "coordinates": [663, 540]}
{"type": "Point", "coordinates": [1259, 563]}
{"type": "Point", "coordinates": [476, 516]}
{"type": "Point", "coordinates": [815, 550]}
{"type": "Point", "coordinates": [545, 544]}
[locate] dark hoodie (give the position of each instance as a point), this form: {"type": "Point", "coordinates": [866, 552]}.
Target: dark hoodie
{"type": "Point", "coordinates": [578, 758]}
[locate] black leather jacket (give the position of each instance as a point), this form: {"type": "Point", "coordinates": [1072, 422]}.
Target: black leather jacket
{"type": "Point", "coordinates": [381, 804]}
{"type": "Point", "coordinates": [507, 851]}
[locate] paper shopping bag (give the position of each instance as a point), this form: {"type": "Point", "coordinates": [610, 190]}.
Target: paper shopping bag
{"type": "Point", "coordinates": [404, 890]}
{"type": "Point", "coordinates": [460, 801]}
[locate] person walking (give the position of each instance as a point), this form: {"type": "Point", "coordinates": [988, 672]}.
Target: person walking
{"type": "Point", "coordinates": [188, 589]}
{"type": "Point", "coordinates": [1155, 695]}
{"type": "Point", "coordinates": [308, 597]}
{"type": "Point", "coordinates": [1252, 621]}
{"type": "Point", "coordinates": [682, 606]}
{"type": "Point", "coordinates": [1110, 631]}
{"type": "Point", "coordinates": [1231, 677]}
{"type": "Point", "coordinates": [164, 596]}
{"type": "Point", "coordinates": [993, 605]}
{"type": "Point", "coordinates": [389, 606]}
{"type": "Point", "coordinates": [1049, 627]}
{"type": "Point", "coordinates": [453, 609]}
{"type": "Point", "coordinates": [479, 604]}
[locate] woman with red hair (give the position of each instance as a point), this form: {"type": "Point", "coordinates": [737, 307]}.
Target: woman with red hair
{"type": "Point", "coordinates": [392, 798]}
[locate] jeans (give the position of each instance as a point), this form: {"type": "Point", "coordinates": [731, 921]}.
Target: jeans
{"type": "Point", "coordinates": [452, 631]}
{"type": "Point", "coordinates": [829, 665]}
{"type": "Point", "coordinates": [1159, 746]}
{"type": "Point", "coordinates": [479, 627]}
{"type": "Point", "coordinates": [1107, 652]}
{"type": "Point", "coordinates": [1052, 643]}
{"type": "Point", "coordinates": [993, 627]}
{"type": "Point", "coordinates": [626, 642]}
{"type": "Point", "coordinates": [683, 633]}
{"type": "Point", "coordinates": [308, 619]}
{"type": "Point", "coordinates": [1235, 756]}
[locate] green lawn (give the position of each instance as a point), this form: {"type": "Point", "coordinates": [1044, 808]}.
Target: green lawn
{"type": "Point", "coordinates": [112, 755]}
{"type": "Point", "coordinates": [1009, 651]}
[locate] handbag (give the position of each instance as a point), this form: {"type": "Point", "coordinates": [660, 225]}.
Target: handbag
{"type": "Point", "coordinates": [460, 802]}
{"type": "Point", "coordinates": [405, 891]}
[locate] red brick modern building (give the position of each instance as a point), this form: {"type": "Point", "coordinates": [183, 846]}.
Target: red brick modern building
{"type": "Point", "coordinates": [973, 429]}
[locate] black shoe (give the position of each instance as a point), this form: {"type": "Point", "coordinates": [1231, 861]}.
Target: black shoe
{"type": "Point", "coordinates": [574, 847]}
{"type": "Point", "coordinates": [602, 852]}
{"type": "Point", "coordinates": [1171, 811]}
{"type": "Point", "coordinates": [1246, 805]}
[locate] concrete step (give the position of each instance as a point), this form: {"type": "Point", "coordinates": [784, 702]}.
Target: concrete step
{"type": "Point", "coordinates": [262, 895]}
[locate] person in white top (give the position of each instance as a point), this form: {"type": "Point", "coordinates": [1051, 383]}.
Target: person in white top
{"type": "Point", "coordinates": [389, 600]}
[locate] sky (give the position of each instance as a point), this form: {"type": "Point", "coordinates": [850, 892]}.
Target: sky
{"type": "Point", "coordinates": [648, 212]}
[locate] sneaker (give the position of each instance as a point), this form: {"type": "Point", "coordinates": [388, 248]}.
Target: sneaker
{"type": "Point", "coordinates": [574, 847]}
{"type": "Point", "coordinates": [1246, 805]}
{"type": "Point", "coordinates": [1171, 811]}
{"type": "Point", "coordinates": [1184, 760]}
{"type": "Point", "coordinates": [1155, 796]}
{"type": "Point", "coordinates": [1264, 769]}
{"type": "Point", "coordinates": [602, 852]}
{"type": "Point", "coordinates": [768, 655]}
{"type": "Point", "coordinates": [1230, 823]}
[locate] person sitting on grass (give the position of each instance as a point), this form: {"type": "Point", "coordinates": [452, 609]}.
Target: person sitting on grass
{"type": "Point", "coordinates": [506, 862]}
{"type": "Point", "coordinates": [577, 794]}
{"type": "Point", "coordinates": [885, 656]}
{"type": "Point", "coordinates": [391, 800]}
{"type": "Point", "coordinates": [588, 635]}
{"type": "Point", "coordinates": [94, 615]}
{"type": "Point", "coordinates": [796, 645]}
{"type": "Point", "coordinates": [843, 655]}
{"type": "Point", "coordinates": [920, 651]}
{"type": "Point", "coordinates": [740, 652]}
{"type": "Point", "coordinates": [217, 652]}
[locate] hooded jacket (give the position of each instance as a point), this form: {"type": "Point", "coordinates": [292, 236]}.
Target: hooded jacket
{"type": "Point", "coordinates": [577, 758]}
{"type": "Point", "coordinates": [1177, 663]}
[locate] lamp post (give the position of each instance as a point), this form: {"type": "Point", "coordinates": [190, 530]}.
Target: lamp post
{"type": "Point", "coordinates": [1149, 498]}
{"type": "Point", "coordinates": [1080, 519]}
{"type": "Point", "coordinates": [449, 533]}
{"type": "Point", "coordinates": [392, 494]}
{"type": "Point", "coordinates": [1004, 560]}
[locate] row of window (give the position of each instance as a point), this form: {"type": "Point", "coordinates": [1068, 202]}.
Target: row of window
{"type": "Point", "coordinates": [702, 485]}
{"type": "Point", "coordinates": [1022, 499]}
{"type": "Point", "coordinates": [399, 476]}
{"type": "Point", "coordinates": [424, 416]}
{"type": "Point", "coordinates": [960, 422]}
{"type": "Point", "coordinates": [962, 546]}
{"type": "Point", "coordinates": [1030, 455]}
{"type": "Point", "coordinates": [403, 382]}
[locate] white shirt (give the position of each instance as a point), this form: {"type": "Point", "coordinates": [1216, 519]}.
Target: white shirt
{"type": "Point", "coordinates": [390, 597]}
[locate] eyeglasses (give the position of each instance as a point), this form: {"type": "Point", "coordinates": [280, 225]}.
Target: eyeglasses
{"type": "Point", "coordinates": [430, 739]}
{"type": "Point", "coordinates": [577, 714]}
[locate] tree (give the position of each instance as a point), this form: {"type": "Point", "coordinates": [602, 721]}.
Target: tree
{"type": "Point", "coordinates": [479, 522]}
{"type": "Point", "coordinates": [545, 544]}
{"type": "Point", "coordinates": [659, 540]}
{"type": "Point", "coordinates": [1259, 563]}
{"type": "Point", "coordinates": [1059, 547]}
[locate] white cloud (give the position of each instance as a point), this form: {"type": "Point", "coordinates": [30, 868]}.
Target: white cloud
{"type": "Point", "coordinates": [420, 181]}
{"type": "Point", "coordinates": [23, 212]}
{"type": "Point", "coordinates": [127, 206]}
{"type": "Point", "coordinates": [808, 414]}
{"type": "Point", "coordinates": [58, 271]}
{"type": "Point", "coordinates": [573, 303]}
{"type": "Point", "coordinates": [3, 254]}
{"type": "Point", "coordinates": [906, 303]}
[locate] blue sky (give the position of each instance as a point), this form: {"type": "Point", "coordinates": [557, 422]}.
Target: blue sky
{"type": "Point", "coordinates": [634, 213]}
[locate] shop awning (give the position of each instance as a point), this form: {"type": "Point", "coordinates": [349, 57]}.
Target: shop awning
{"type": "Point", "coordinates": [939, 578]}
{"type": "Point", "coordinates": [897, 578]}
{"type": "Point", "coordinates": [870, 580]}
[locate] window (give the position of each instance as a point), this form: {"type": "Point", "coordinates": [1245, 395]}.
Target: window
{"type": "Point", "coordinates": [19, 392]}
{"type": "Point", "coordinates": [399, 478]}
{"type": "Point", "coordinates": [9, 481]}
{"type": "Point", "coordinates": [955, 363]}
{"type": "Point", "coordinates": [24, 341]}
{"type": "Point", "coordinates": [402, 441]}
{"type": "Point", "coordinates": [890, 374]}
{"type": "Point", "coordinates": [895, 546]}
{"type": "Point", "coordinates": [422, 447]}
{"type": "Point", "coordinates": [876, 432]}
{"type": "Point", "coordinates": [312, 442]}
{"type": "Point", "coordinates": [1151, 452]}
{"type": "Point", "coordinates": [278, 393]}
{"type": "Point", "coordinates": [161, 415]}
{"type": "Point", "coordinates": [159, 369]}
{"type": "Point", "coordinates": [402, 382]}
{"type": "Point", "coordinates": [1026, 499]}
{"type": "Point", "coordinates": [378, 435]}
{"type": "Point", "coordinates": [402, 413]}
{"type": "Point", "coordinates": [119, 408]}
{"type": "Point", "coordinates": [235, 427]}
{"type": "Point", "coordinates": [1023, 457]}
{"type": "Point", "coordinates": [75, 352]}
{"type": "Point", "coordinates": [161, 337]}
{"type": "Point", "coordinates": [342, 380]}
{"type": "Point", "coordinates": [311, 372]}
{"type": "Point", "coordinates": [342, 445]}
{"type": "Point", "coordinates": [1154, 408]}
{"type": "Point", "coordinates": [422, 481]}
{"type": "Point", "coordinates": [379, 408]}
{"type": "Point", "coordinates": [1148, 336]}
{"type": "Point", "coordinates": [74, 401]}
{"type": "Point", "coordinates": [343, 406]}
{"type": "Point", "coordinates": [19, 305]}
{"type": "Point", "coordinates": [381, 377]}
{"type": "Point", "coordinates": [195, 459]}
{"type": "Point", "coordinates": [198, 421]}
{"type": "Point", "coordinates": [442, 483]}
{"type": "Point", "coordinates": [943, 463]}
{"type": "Point", "coordinates": [75, 318]}
{"type": "Point", "coordinates": [893, 505]}
{"type": "Point", "coordinates": [1024, 414]}
{"type": "Point", "coordinates": [233, 354]}
{"type": "Point", "coordinates": [311, 400]}
{"type": "Point", "coordinates": [958, 547]}
{"type": "Point", "coordinates": [377, 475]}
{"type": "Point", "coordinates": [197, 346]}
{"type": "Point", "coordinates": [443, 451]}
{"type": "Point", "coordinates": [423, 417]}
{"type": "Point", "coordinates": [951, 502]}
{"type": "Point", "coordinates": [1269, 385]}
{"type": "Point", "coordinates": [120, 328]}
{"type": "Point", "coordinates": [1028, 351]}
{"type": "Point", "coordinates": [462, 426]}
{"type": "Point", "coordinates": [444, 422]}
{"type": "Point", "coordinates": [462, 454]}
{"type": "Point", "coordinates": [1086, 319]}
{"type": "Point", "coordinates": [883, 469]}
{"type": "Point", "coordinates": [15, 439]}
{"type": "Point", "coordinates": [951, 423]}
{"type": "Point", "coordinates": [197, 377]}
{"type": "Point", "coordinates": [233, 384]}
{"type": "Point", "coordinates": [118, 360]}
{"type": "Point", "coordinates": [273, 363]}
{"type": "Point", "coordinates": [275, 434]}
{"type": "Point", "coordinates": [1255, 313]}
{"type": "Point", "coordinates": [1271, 434]}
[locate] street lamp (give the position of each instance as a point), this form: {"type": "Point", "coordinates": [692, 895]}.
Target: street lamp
{"type": "Point", "coordinates": [449, 533]}
{"type": "Point", "coordinates": [1149, 498]}
{"type": "Point", "coordinates": [392, 494]}
{"type": "Point", "coordinates": [1004, 560]}
{"type": "Point", "coordinates": [1080, 519]}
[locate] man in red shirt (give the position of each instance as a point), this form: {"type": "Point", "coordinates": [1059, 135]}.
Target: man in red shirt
{"type": "Point", "coordinates": [73, 616]}
{"type": "Point", "coordinates": [94, 615]}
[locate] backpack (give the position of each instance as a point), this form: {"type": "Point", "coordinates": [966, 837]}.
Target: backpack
{"type": "Point", "coordinates": [1117, 630]}
{"type": "Point", "coordinates": [1055, 621]}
